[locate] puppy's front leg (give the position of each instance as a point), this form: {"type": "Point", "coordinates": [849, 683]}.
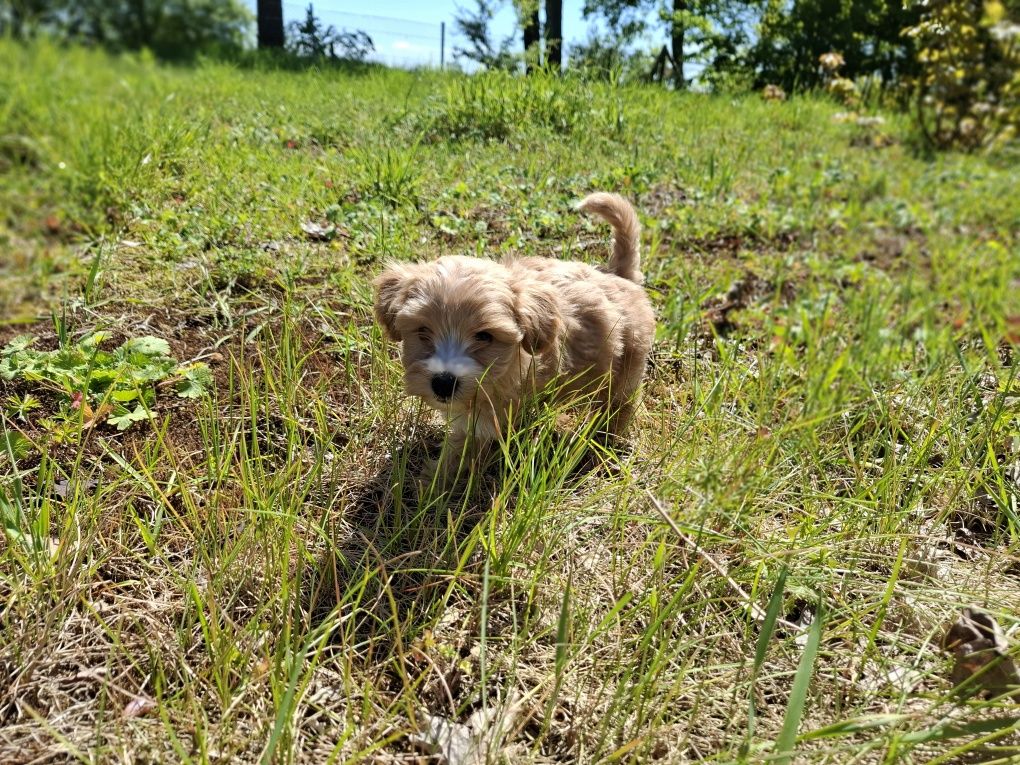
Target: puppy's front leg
{"type": "Point", "coordinates": [444, 468]}
{"type": "Point", "coordinates": [619, 418]}
{"type": "Point", "coordinates": [467, 448]}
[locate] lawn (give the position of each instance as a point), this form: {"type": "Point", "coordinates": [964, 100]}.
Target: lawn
{"type": "Point", "coordinates": [215, 550]}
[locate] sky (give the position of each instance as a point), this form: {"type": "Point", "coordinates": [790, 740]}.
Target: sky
{"type": "Point", "coordinates": [406, 32]}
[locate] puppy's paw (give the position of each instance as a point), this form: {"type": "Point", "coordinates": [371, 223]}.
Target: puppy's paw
{"type": "Point", "coordinates": [433, 469]}
{"type": "Point", "coordinates": [437, 474]}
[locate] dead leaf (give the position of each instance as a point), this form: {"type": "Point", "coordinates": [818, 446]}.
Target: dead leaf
{"type": "Point", "coordinates": [493, 724]}
{"type": "Point", "coordinates": [876, 676]}
{"type": "Point", "coordinates": [139, 706]}
{"type": "Point", "coordinates": [99, 415]}
{"type": "Point", "coordinates": [63, 487]}
{"type": "Point", "coordinates": [317, 232]}
{"type": "Point", "coordinates": [90, 417]}
{"type": "Point", "coordinates": [982, 654]}
{"type": "Point", "coordinates": [486, 731]}
{"type": "Point", "coordinates": [1013, 329]}
{"type": "Point", "coordinates": [447, 740]}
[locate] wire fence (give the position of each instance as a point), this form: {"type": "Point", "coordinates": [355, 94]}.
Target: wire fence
{"type": "Point", "coordinates": [403, 43]}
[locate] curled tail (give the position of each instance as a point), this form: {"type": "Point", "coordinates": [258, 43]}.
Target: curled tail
{"type": "Point", "coordinates": [618, 213]}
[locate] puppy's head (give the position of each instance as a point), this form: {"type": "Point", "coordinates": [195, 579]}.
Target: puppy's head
{"type": "Point", "coordinates": [466, 325]}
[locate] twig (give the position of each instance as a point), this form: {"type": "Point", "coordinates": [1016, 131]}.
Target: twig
{"type": "Point", "coordinates": [756, 611]}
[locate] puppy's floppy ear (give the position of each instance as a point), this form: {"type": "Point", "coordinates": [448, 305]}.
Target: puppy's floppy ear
{"type": "Point", "coordinates": [538, 314]}
{"type": "Point", "coordinates": [392, 287]}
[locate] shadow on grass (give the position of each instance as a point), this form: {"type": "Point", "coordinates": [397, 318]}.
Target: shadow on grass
{"type": "Point", "coordinates": [397, 550]}
{"type": "Point", "coordinates": [401, 550]}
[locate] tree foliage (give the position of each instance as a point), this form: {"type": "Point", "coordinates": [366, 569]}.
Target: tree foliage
{"type": "Point", "coordinates": [531, 32]}
{"type": "Point", "coordinates": [612, 54]}
{"type": "Point", "coordinates": [867, 34]}
{"type": "Point", "coordinates": [172, 29]}
{"type": "Point", "coordinates": [695, 30]}
{"type": "Point", "coordinates": [601, 57]}
{"type": "Point", "coordinates": [625, 19]}
{"type": "Point", "coordinates": [541, 43]}
{"type": "Point", "coordinates": [968, 83]}
{"type": "Point", "coordinates": [310, 38]}
{"type": "Point", "coordinates": [482, 48]}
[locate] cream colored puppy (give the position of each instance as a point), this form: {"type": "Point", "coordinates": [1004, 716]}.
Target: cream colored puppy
{"type": "Point", "coordinates": [478, 336]}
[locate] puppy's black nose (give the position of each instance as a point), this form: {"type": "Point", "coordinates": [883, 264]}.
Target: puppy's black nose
{"type": "Point", "coordinates": [444, 385]}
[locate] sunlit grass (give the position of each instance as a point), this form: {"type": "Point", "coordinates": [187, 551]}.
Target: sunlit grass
{"type": "Point", "coordinates": [824, 468]}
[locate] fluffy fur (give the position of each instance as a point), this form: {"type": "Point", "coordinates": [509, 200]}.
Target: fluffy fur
{"type": "Point", "coordinates": [477, 335]}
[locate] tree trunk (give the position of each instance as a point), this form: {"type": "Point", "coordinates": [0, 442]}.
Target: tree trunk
{"type": "Point", "coordinates": [142, 35]}
{"type": "Point", "coordinates": [678, 45]}
{"type": "Point", "coordinates": [17, 23]}
{"type": "Point", "coordinates": [532, 33]}
{"type": "Point", "coordinates": [270, 20]}
{"type": "Point", "coordinates": [554, 34]}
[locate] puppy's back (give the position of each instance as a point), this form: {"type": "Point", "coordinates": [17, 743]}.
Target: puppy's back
{"type": "Point", "coordinates": [625, 261]}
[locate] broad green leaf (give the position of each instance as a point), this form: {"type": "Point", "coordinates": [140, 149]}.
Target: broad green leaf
{"type": "Point", "coordinates": [196, 381]}
{"type": "Point", "coordinates": [19, 343]}
{"type": "Point", "coordinates": [13, 446]}
{"type": "Point", "coordinates": [149, 368]}
{"type": "Point", "coordinates": [102, 377]}
{"type": "Point", "coordinates": [93, 340]}
{"type": "Point", "coordinates": [67, 361]}
{"type": "Point", "coordinates": [10, 517]}
{"type": "Point", "coordinates": [125, 420]}
{"type": "Point", "coordinates": [190, 389]}
{"type": "Point", "coordinates": [148, 346]}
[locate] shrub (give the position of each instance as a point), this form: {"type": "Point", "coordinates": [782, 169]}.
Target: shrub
{"type": "Point", "coordinates": [311, 39]}
{"type": "Point", "coordinates": [843, 89]}
{"type": "Point", "coordinates": [603, 58]}
{"type": "Point", "coordinates": [968, 86]}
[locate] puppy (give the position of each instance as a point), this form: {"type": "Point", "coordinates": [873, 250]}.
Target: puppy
{"type": "Point", "coordinates": [478, 336]}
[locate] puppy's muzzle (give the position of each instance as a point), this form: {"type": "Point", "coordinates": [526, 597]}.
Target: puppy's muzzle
{"type": "Point", "coordinates": [444, 386]}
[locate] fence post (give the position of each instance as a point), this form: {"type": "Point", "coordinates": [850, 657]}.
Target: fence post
{"type": "Point", "coordinates": [442, 44]}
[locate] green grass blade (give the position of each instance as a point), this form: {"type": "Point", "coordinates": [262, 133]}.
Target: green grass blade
{"type": "Point", "coordinates": [767, 628]}
{"type": "Point", "coordinates": [787, 740]}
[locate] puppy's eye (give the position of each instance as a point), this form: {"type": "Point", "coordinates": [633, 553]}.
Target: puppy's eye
{"type": "Point", "coordinates": [422, 332]}
{"type": "Point", "coordinates": [483, 337]}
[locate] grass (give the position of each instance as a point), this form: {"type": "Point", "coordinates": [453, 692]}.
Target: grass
{"type": "Point", "coordinates": [823, 472]}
